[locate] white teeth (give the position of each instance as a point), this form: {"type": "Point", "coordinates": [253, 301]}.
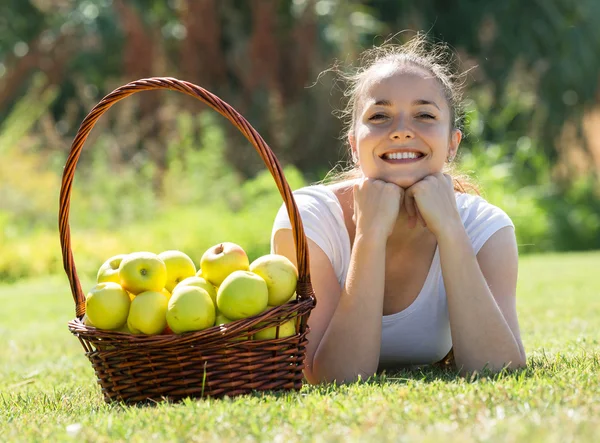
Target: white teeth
{"type": "Point", "coordinates": [401, 155]}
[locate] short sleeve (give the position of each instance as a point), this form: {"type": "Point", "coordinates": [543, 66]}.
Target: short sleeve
{"type": "Point", "coordinates": [481, 219]}
{"type": "Point", "coordinates": [322, 219]}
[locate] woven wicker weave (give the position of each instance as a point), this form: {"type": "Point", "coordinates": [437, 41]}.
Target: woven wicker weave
{"type": "Point", "coordinates": [217, 361]}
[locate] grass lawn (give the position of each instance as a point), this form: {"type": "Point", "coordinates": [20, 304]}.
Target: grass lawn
{"type": "Point", "coordinates": [48, 390]}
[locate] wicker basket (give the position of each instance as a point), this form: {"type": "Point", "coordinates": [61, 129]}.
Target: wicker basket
{"type": "Point", "coordinates": [215, 362]}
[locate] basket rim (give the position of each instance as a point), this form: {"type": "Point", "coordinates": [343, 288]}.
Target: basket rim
{"type": "Point", "coordinates": [237, 328]}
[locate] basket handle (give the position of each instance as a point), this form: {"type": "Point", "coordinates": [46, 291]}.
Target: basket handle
{"type": "Point", "coordinates": [304, 288]}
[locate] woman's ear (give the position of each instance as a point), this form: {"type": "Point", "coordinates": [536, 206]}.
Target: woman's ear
{"type": "Point", "coordinates": [455, 139]}
{"type": "Point", "coordinates": [352, 142]}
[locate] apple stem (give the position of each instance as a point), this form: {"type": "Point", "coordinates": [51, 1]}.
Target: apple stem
{"type": "Point", "coordinates": [143, 272]}
{"type": "Point", "coordinates": [219, 248]}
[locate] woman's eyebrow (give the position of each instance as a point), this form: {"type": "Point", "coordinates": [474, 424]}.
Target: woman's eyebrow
{"type": "Point", "coordinates": [425, 102]}
{"type": "Point", "coordinates": [416, 102]}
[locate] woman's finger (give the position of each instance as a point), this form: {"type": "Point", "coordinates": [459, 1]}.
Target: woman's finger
{"type": "Point", "coordinates": [420, 217]}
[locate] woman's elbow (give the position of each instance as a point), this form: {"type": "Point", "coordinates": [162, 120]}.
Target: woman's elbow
{"type": "Point", "coordinates": [469, 368]}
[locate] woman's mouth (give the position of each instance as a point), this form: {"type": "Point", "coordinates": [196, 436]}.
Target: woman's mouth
{"type": "Point", "coordinates": [402, 157]}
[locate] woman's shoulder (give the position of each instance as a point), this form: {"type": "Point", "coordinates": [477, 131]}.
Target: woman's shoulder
{"type": "Point", "coordinates": [480, 218]}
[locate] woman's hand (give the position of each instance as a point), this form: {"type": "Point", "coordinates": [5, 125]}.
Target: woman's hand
{"type": "Point", "coordinates": [432, 201]}
{"type": "Point", "coordinates": [376, 207]}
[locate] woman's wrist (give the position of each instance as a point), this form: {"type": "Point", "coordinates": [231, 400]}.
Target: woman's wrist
{"type": "Point", "coordinates": [372, 236]}
{"type": "Point", "coordinates": [451, 233]}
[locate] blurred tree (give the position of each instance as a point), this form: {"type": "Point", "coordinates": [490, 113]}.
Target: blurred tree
{"type": "Point", "coordinates": [538, 67]}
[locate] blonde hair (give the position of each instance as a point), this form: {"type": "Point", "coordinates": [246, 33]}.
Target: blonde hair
{"type": "Point", "coordinates": [417, 52]}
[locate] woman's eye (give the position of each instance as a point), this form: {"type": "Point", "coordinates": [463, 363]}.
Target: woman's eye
{"type": "Point", "coordinates": [426, 116]}
{"type": "Point", "coordinates": [377, 117]}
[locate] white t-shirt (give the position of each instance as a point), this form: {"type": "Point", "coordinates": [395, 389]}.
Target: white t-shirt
{"type": "Point", "coordinates": [419, 334]}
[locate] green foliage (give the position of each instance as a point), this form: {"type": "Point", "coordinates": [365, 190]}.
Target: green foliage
{"type": "Point", "coordinates": [517, 176]}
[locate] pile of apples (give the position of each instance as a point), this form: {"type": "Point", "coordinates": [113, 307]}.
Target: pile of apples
{"type": "Point", "coordinates": [148, 293]}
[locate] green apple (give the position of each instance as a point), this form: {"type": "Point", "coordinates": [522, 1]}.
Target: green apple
{"type": "Point", "coordinates": [107, 305]}
{"type": "Point", "coordinates": [109, 271]}
{"type": "Point", "coordinates": [179, 266]}
{"type": "Point", "coordinates": [86, 321]}
{"type": "Point", "coordinates": [166, 293]}
{"type": "Point", "coordinates": [286, 329]}
{"type": "Point", "coordinates": [141, 272]}
{"type": "Point", "coordinates": [220, 319]}
{"type": "Point", "coordinates": [242, 294]}
{"type": "Point", "coordinates": [190, 309]}
{"type": "Point", "coordinates": [221, 260]}
{"type": "Point", "coordinates": [201, 283]}
{"type": "Point", "coordinates": [279, 273]}
{"type": "Point", "coordinates": [147, 314]}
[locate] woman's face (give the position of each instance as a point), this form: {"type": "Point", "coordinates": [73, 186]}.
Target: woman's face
{"type": "Point", "coordinates": [402, 130]}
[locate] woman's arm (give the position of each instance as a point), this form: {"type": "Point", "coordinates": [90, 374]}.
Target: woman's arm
{"type": "Point", "coordinates": [481, 292]}
{"type": "Point", "coordinates": [345, 337]}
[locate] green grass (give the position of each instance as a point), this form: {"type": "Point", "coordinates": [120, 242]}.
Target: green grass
{"type": "Point", "coordinates": [48, 390]}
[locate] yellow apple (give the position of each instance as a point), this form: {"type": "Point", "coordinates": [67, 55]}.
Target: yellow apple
{"type": "Point", "coordinates": [166, 293]}
{"type": "Point", "coordinates": [221, 260]}
{"type": "Point", "coordinates": [141, 272]}
{"type": "Point", "coordinates": [201, 283]}
{"type": "Point", "coordinates": [199, 273]}
{"type": "Point", "coordinates": [107, 305]}
{"type": "Point", "coordinates": [279, 273]}
{"type": "Point", "coordinates": [286, 329]}
{"type": "Point", "coordinates": [147, 314]}
{"type": "Point", "coordinates": [179, 266]}
{"type": "Point", "coordinates": [109, 271]}
{"type": "Point", "coordinates": [242, 294]}
{"type": "Point", "coordinates": [190, 309]}
{"type": "Point", "coordinates": [124, 328]}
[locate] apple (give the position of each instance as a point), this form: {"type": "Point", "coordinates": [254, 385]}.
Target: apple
{"type": "Point", "coordinates": [107, 305]}
{"type": "Point", "coordinates": [147, 314]}
{"type": "Point", "coordinates": [124, 328]}
{"type": "Point", "coordinates": [190, 309]}
{"type": "Point", "coordinates": [220, 319]}
{"type": "Point", "coordinates": [86, 321]}
{"type": "Point", "coordinates": [141, 272]}
{"type": "Point", "coordinates": [199, 273]}
{"type": "Point", "coordinates": [286, 329]}
{"type": "Point", "coordinates": [109, 271]}
{"type": "Point", "coordinates": [201, 283]}
{"type": "Point", "coordinates": [179, 266]}
{"type": "Point", "coordinates": [279, 273]}
{"type": "Point", "coordinates": [242, 294]}
{"type": "Point", "coordinates": [166, 293]}
{"type": "Point", "coordinates": [221, 260]}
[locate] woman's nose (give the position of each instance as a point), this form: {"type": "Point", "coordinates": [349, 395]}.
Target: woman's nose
{"type": "Point", "coordinates": [401, 130]}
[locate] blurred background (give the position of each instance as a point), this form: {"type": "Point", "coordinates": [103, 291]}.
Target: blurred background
{"type": "Point", "coordinates": [162, 171]}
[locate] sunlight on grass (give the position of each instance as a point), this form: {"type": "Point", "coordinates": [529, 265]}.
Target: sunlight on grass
{"type": "Point", "coordinates": [48, 389]}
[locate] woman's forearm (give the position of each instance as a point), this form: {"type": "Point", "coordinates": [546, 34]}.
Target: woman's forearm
{"type": "Point", "coordinates": [351, 345]}
{"type": "Point", "coordinates": [480, 334]}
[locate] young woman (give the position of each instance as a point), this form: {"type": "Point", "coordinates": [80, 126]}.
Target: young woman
{"type": "Point", "coordinates": [406, 265]}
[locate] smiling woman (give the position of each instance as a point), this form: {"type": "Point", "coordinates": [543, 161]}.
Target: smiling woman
{"type": "Point", "coordinates": [406, 265]}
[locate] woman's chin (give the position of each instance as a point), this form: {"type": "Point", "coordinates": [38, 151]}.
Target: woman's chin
{"type": "Point", "coordinates": [404, 182]}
